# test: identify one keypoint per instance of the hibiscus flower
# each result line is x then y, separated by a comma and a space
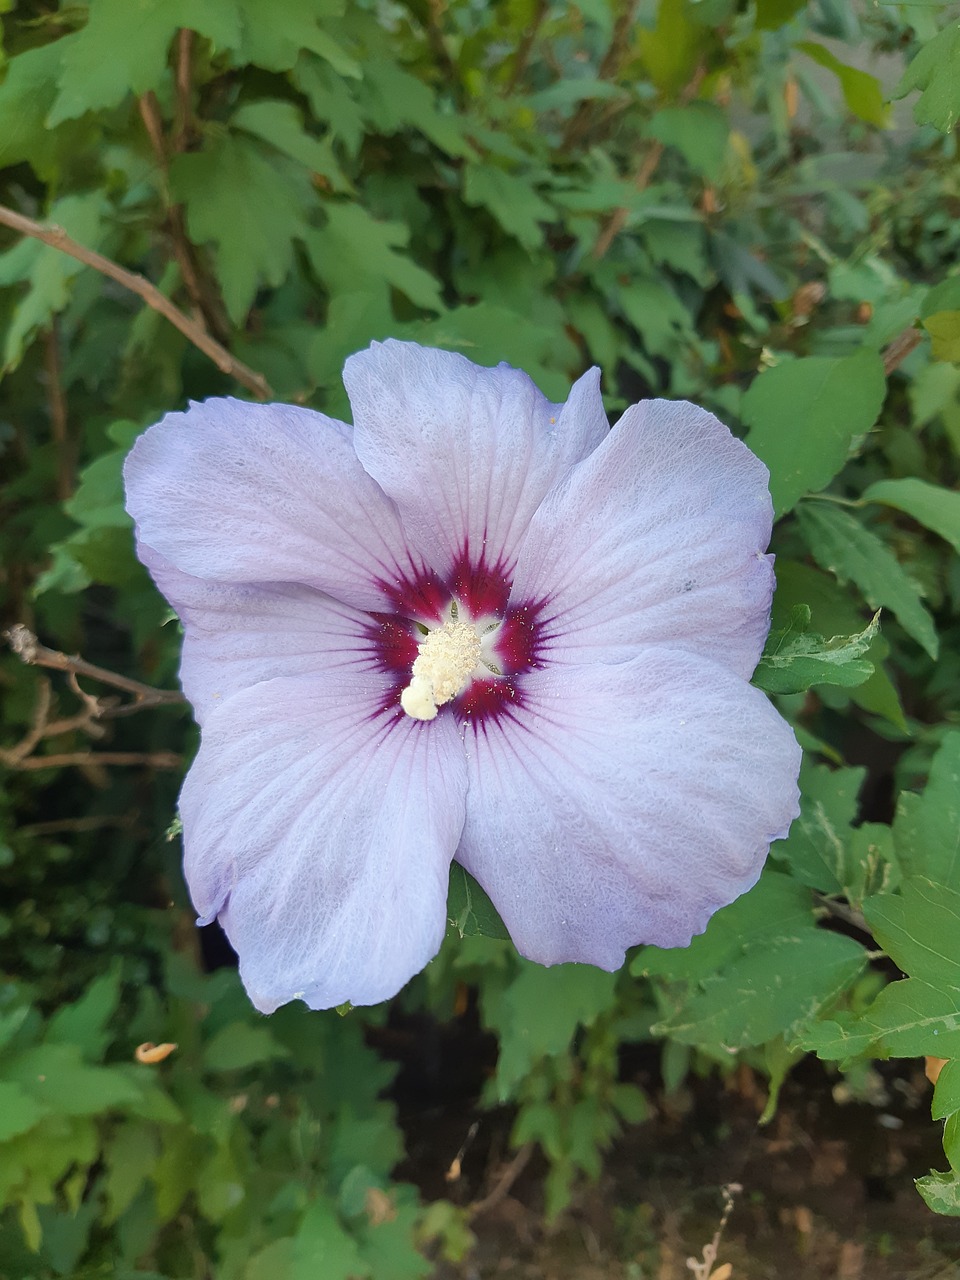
475, 625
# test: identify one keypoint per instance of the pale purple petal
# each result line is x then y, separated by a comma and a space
321, 830
625, 804
466, 453
657, 538
237, 634
265, 493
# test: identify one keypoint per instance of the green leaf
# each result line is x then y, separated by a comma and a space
355, 249
946, 1093
944, 330
84, 1023
931, 505
469, 910
699, 131
123, 49
934, 71
19, 1111
511, 199
281, 125
926, 829
804, 416
253, 235
240, 1045
841, 543
919, 929
817, 846
273, 35
908, 1019
56, 1077
772, 990
775, 907
941, 1192
861, 91
795, 658
26, 95
49, 272
394, 100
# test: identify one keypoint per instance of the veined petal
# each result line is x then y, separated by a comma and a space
320, 830
241, 492
625, 804
657, 538
466, 453
237, 634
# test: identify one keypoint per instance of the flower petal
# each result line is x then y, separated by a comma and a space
237, 634
265, 493
321, 830
657, 538
625, 804
467, 453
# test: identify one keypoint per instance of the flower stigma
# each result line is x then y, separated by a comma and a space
446, 660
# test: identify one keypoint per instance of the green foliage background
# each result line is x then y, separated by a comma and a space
711, 200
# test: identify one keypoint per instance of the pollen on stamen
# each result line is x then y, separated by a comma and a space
446, 659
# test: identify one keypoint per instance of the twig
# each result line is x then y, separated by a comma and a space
504, 1183
181, 129
608, 70
648, 167
438, 43
88, 759
843, 911
525, 48
207, 307
704, 1270
57, 238
57, 403
901, 346
29, 650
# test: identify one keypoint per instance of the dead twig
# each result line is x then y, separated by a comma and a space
901, 346
609, 69
57, 405
87, 759
29, 650
504, 1183
57, 238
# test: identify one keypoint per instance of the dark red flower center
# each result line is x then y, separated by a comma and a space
513, 634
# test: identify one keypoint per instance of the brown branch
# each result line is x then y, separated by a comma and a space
181, 127
525, 48
57, 238
90, 759
502, 1187
648, 167
902, 346
207, 305
609, 69
57, 405
29, 650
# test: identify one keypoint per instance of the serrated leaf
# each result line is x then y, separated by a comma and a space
56, 1077
926, 829
19, 1111
511, 199
239, 1045
469, 909
929, 504
281, 125
84, 1022
273, 35
919, 929
934, 71
253, 235
843, 545
796, 658
908, 1019
770, 991
123, 49
355, 248
804, 415
817, 846
393, 100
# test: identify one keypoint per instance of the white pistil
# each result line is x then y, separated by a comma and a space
446, 660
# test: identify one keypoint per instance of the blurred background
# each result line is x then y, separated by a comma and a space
753, 204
